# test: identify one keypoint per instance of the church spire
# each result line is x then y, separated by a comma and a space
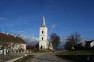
43, 22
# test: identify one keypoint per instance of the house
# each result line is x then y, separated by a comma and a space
92, 43
12, 42
87, 45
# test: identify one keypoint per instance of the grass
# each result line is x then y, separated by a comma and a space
78, 56
76, 53
43, 51
24, 59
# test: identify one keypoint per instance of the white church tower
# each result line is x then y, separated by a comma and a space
43, 42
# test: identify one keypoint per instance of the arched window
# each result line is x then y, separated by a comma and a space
42, 32
42, 38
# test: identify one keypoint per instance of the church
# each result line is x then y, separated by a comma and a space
43, 34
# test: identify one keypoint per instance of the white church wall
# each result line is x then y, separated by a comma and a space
44, 29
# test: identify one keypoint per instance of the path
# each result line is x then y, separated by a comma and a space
47, 57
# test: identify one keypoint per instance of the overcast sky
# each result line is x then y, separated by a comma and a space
63, 17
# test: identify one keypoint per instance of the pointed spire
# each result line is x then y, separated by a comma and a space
43, 22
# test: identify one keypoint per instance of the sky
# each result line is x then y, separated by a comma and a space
24, 17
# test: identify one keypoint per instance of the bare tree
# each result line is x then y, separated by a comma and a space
72, 40
55, 39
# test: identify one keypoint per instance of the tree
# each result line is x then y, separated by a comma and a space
72, 40
37, 46
55, 39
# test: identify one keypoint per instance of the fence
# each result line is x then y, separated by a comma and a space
12, 55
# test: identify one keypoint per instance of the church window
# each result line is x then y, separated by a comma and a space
42, 38
42, 32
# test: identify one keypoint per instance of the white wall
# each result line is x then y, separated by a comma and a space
92, 44
43, 42
23, 46
1, 52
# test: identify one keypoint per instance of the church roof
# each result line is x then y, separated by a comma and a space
43, 22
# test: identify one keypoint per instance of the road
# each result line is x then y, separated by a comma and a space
47, 57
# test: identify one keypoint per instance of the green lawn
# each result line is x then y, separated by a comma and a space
76, 53
43, 51
79, 56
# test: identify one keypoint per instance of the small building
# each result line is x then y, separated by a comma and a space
11, 43
92, 43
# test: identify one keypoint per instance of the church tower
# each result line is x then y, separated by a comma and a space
43, 42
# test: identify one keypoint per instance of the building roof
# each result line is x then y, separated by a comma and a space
4, 38
43, 22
